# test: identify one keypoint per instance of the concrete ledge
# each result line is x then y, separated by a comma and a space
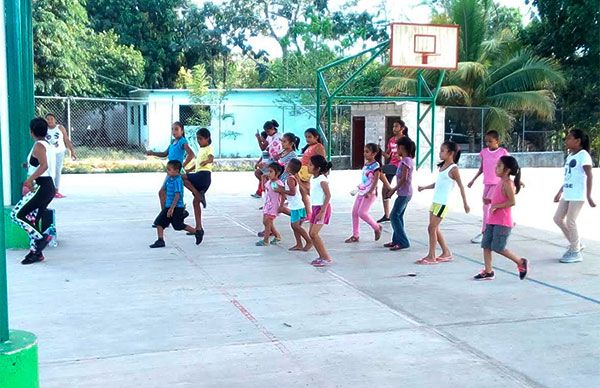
19, 361
525, 159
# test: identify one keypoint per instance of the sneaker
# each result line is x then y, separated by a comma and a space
383, 219
573, 257
255, 195
59, 195
320, 263
389, 245
477, 239
523, 269
43, 242
160, 243
484, 275
33, 257
199, 236
203, 199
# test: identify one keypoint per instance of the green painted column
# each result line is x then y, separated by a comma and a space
19, 67
19, 361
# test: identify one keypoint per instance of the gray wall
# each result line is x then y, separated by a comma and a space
525, 159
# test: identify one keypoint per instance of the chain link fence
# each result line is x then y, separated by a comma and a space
467, 127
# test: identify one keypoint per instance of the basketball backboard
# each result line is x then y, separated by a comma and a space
425, 46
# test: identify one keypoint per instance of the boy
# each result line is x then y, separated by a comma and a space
173, 212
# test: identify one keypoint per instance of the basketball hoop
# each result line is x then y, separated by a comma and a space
429, 46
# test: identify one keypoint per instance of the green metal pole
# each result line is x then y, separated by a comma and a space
329, 116
433, 106
418, 118
344, 60
3, 280
318, 88
19, 67
357, 71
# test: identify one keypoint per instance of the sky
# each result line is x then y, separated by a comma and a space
397, 10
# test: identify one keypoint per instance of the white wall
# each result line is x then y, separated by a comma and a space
4, 133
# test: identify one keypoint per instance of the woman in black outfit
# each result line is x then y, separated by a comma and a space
41, 165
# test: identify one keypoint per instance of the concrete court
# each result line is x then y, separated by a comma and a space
110, 312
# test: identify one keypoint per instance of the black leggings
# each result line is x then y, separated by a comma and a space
34, 203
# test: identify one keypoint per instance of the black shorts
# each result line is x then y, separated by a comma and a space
389, 170
177, 220
200, 180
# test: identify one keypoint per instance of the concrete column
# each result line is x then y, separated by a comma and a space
19, 361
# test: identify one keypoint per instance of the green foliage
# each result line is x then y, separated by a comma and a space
494, 73
70, 59
184, 78
567, 31
199, 82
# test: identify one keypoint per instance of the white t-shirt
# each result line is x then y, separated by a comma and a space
56, 138
317, 195
294, 201
574, 188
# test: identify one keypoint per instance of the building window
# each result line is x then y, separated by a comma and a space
145, 115
132, 113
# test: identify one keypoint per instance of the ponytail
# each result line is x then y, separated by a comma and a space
271, 124
321, 164
454, 148
512, 165
374, 148
316, 134
295, 140
583, 138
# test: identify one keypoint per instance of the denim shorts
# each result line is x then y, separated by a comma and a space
495, 237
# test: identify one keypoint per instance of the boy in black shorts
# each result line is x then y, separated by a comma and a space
173, 213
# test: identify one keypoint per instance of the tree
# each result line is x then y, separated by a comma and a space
567, 31
150, 26
494, 73
70, 59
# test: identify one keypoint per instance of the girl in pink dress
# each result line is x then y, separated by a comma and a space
273, 201
499, 221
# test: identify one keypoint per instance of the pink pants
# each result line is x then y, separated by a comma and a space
361, 210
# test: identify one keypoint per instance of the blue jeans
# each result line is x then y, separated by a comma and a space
397, 219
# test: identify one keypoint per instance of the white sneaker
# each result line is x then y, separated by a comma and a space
477, 239
573, 257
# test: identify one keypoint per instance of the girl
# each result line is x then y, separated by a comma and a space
59, 138
321, 210
499, 221
289, 146
199, 181
367, 193
41, 167
296, 206
448, 174
406, 152
271, 150
576, 188
314, 146
391, 168
262, 143
489, 159
273, 200
176, 151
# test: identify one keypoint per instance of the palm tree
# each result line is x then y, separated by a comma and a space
496, 74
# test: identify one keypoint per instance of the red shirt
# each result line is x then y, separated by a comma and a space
315, 149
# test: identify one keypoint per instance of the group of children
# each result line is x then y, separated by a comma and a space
299, 189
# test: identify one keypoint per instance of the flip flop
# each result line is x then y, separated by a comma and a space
426, 261
444, 259
351, 239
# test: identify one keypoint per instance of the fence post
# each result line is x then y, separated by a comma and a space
481, 136
523, 125
69, 117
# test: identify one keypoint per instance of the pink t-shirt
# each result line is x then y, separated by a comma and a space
274, 145
489, 159
501, 216
393, 151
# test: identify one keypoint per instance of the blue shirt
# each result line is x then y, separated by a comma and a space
174, 184
177, 149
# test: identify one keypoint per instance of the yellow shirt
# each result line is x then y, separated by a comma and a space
203, 155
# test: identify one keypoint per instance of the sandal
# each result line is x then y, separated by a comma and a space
443, 259
397, 248
426, 261
351, 239
378, 233
262, 243
275, 241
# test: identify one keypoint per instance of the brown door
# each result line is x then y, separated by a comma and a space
358, 141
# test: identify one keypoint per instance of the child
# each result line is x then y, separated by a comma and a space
391, 168
173, 208
176, 151
262, 143
296, 206
270, 152
273, 200
489, 159
448, 174
199, 181
313, 146
321, 210
289, 146
406, 151
576, 188
367, 193
499, 221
